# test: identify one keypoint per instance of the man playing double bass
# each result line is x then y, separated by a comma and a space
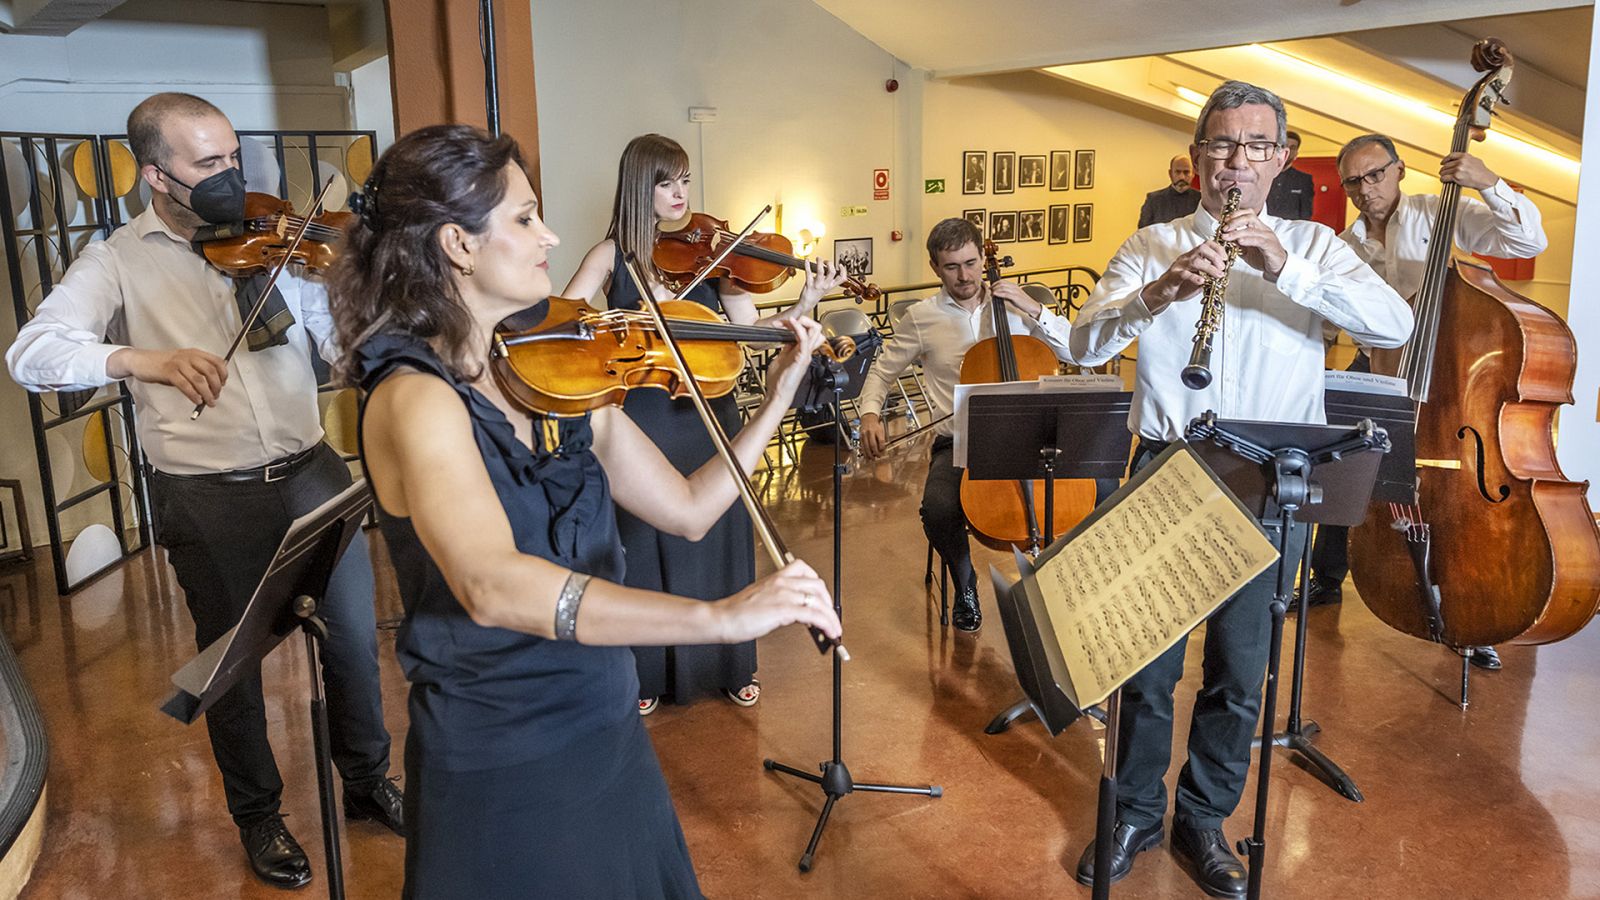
1290, 279
937, 332
1392, 235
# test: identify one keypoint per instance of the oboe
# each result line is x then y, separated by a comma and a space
1197, 374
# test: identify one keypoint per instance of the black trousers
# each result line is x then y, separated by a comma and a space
1226, 709
219, 538
942, 518
1330, 552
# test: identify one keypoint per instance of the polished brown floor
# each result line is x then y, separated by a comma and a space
1499, 801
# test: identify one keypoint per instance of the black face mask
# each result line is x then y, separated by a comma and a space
218, 199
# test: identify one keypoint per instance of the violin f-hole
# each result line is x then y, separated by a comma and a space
1483, 488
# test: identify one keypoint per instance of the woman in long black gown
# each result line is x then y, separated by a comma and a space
528, 771
652, 193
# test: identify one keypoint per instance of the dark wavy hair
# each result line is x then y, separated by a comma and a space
392, 275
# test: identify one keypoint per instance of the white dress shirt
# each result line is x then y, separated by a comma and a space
1506, 224
1267, 358
145, 287
937, 332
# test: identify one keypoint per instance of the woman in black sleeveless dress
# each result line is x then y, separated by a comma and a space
528, 772
652, 192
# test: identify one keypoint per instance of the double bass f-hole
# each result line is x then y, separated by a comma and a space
1504, 490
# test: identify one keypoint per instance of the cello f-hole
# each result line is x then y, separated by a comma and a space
1504, 490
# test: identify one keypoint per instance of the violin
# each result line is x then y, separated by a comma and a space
577, 359
262, 239
1002, 513
760, 263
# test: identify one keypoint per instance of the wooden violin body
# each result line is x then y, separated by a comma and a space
1002, 513
571, 367
575, 358
760, 264
262, 239
1515, 551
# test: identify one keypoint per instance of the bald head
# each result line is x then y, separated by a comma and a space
1179, 171
147, 124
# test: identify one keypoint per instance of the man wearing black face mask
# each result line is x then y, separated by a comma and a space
144, 306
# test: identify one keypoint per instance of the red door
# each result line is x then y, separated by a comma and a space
1328, 206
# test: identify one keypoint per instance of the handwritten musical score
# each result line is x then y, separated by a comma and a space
1150, 569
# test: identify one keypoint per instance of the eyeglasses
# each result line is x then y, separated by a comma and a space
1373, 177
1255, 151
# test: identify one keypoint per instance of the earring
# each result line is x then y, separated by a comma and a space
468, 270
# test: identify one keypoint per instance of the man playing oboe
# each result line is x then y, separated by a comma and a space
1266, 365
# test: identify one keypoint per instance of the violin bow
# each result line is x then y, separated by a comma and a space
774, 545
272, 281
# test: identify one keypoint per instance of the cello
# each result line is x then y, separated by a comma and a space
1001, 514
1498, 546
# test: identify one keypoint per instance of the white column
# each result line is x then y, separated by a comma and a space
1578, 442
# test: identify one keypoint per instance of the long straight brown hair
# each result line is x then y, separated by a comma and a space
648, 160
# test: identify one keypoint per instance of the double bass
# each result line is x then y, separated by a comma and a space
1002, 514
1499, 546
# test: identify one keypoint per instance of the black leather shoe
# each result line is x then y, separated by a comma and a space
382, 803
1485, 658
1129, 841
1217, 871
274, 854
1322, 594
965, 615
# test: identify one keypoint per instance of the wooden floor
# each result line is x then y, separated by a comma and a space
1499, 801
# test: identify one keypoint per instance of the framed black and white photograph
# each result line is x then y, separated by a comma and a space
974, 171
1060, 220
1030, 171
977, 217
1083, 171
1082, 223
1030, 225
1005, 172
1003, 227
1060, 170
855, 255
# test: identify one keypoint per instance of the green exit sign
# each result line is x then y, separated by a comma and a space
933, 186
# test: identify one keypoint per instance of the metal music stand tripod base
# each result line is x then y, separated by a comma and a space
1269, 467
1298, 734
285, 599
835, 779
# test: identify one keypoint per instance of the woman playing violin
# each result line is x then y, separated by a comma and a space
526, 762
653, 192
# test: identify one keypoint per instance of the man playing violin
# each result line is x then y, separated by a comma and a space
1392, 234
937, 333
143, 306
1291, 277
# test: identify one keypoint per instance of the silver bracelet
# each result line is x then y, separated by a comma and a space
567, 606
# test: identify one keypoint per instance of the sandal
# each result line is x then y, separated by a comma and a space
646, 707
745, 696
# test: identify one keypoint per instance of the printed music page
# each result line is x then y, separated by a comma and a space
1154, 566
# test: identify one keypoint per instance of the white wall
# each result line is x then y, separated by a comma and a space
1578, 441
268, 66
804, 118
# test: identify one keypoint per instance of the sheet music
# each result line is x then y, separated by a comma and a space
1135, 582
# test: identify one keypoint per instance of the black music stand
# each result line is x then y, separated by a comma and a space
1269, 466
1031, 434
1042, 671
285, 599
832, 383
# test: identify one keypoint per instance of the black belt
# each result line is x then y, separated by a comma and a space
277, 470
